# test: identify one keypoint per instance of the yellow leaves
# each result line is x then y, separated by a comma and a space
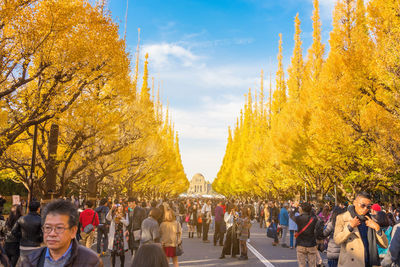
296, 68
279, 97
70, 67
341, 123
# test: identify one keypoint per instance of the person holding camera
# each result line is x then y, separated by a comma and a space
231, 246
117, 242
358, 235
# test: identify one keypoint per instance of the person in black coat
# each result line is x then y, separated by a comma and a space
11, 245
2, 202
136, 216
28, 229
274, 219
103, 227
231, 245
3, 258
307, 225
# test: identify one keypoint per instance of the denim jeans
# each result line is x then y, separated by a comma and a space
291, 233
333, 263
276, 240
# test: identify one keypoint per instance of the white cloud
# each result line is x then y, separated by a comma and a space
208, 121
204, 100
218, 42
165, 54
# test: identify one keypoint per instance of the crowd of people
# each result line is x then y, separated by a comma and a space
360, 234
62, 233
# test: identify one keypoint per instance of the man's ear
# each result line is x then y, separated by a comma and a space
74, 230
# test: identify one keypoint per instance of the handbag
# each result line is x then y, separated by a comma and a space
90, 227
305, 228
271, 230
187, 219
179, 247
137, 234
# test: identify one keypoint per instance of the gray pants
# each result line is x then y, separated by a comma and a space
284, 234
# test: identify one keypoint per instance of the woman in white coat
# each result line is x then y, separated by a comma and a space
117, 242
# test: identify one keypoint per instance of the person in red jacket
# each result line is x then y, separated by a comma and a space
88, 216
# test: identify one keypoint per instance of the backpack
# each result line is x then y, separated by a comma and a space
102, 217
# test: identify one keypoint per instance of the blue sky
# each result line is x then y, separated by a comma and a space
207, 54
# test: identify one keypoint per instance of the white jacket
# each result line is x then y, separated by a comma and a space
292, 224
125, 223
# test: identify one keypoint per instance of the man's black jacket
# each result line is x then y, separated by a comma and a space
80, 257
309, 236
29, 230
136, 218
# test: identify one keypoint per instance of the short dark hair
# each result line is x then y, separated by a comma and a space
132, 199
149, 255
363, 195
62, 207
306, 207
89, 203
34, 206
103, 201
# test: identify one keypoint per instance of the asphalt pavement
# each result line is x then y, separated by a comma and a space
261, 253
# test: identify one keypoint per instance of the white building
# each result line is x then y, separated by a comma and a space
199, 185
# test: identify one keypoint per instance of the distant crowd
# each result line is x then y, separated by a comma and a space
63, 232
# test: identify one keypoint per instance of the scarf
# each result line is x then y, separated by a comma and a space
372, 245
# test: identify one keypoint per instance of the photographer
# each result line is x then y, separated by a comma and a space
231, 246
117, 242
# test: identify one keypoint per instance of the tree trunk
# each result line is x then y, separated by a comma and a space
92, 185
51, 168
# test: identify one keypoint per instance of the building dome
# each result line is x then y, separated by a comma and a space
199, 185
198, 178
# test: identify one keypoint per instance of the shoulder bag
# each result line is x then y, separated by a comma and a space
305, 228
179, 248
90, 227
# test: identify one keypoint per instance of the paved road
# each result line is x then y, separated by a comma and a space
197, 253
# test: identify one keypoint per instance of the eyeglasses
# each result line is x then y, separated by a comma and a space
57, 229
362, 205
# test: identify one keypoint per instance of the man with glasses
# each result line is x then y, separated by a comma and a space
60, 224
358, 235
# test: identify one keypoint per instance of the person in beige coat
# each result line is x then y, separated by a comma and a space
171, 235
266, 215
358, 235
